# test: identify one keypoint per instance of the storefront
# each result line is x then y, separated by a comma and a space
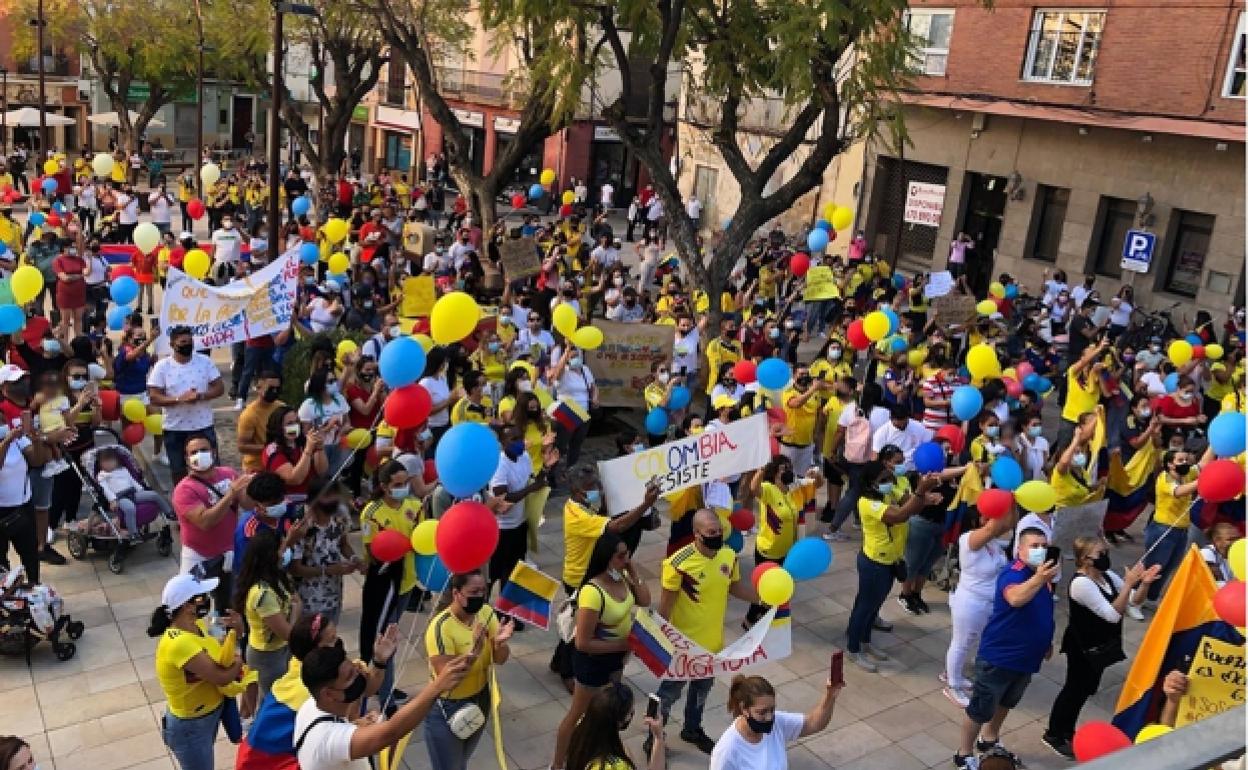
474, 126
529, 170
610, 160
398, 128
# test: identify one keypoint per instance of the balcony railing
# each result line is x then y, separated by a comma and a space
55, 65
477, 86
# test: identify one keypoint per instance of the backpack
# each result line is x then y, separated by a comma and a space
565, 621
858, 439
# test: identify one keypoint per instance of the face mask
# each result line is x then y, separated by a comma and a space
473, 604
992, 431
77, 383
401, 493
712, 543
202, 607
1184, 396
355, 690
575, 362
1145, 413
1035, 556
1034, 431
524, 386
787, 476
51, 346
614, 574
293, 430
1101, 562
201, 460
1155, 348
634, 448
885, 487
758, 726
276, 511
515, 449
309, 280
331, 388
270, 394
185, 349
774, 334
663, 378
593, 497
425, 435
1128, 359
493, 347
618, 281
505, 320
1182, 468
834, 354
1079, 460
287, 555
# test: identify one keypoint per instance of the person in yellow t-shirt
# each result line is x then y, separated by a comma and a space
267, 598
1083, 391
781, 497
830, 364
696, 582
467, 627
844, 393
1070, 479
403, 192
801, 411
1166, 535
475, 406
188, 667
723, 349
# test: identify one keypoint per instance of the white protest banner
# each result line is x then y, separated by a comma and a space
924, 204
688, 462
938, 284
1077, 521
768, 640
253, 306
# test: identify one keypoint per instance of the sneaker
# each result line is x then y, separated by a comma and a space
957, 697
874, 651
836, 537
943, 678
1135, 613
162, 458
49, 555
704, 742
998, 748
239, 404
908, 604
1059, 746
879, 624
918, 602
861, 660
968, 762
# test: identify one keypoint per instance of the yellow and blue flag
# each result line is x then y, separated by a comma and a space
1129, 487
527, 595
648, 642
970, 486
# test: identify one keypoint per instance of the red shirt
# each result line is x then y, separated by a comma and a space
34, 330
176, 255
12, 413
345, 192
1170, 407
272, 458
356, 418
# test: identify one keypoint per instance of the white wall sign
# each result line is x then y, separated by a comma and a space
924, 203
506, 125
397, 117
470, 118
605, 134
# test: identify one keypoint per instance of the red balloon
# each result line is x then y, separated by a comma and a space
389, 545
431, 472
857, 337
133, 433
742, 519
1012, 387
1096, 739
54, 220
758, 571
1220, 481
408, 406
517, 201
110, 405
1198, 351
954, 435
1023, 369
467, 536
565, 210
995, 503
120, 270
195, 207
745, 371
10, 197
799, 264
1228, 602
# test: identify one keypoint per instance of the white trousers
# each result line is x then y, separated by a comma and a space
970, 614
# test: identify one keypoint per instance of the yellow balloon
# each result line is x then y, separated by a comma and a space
346, 348
424, 536
1237, 557
146, 237
775, 587
1036, 496
982, 362
26, 283
51, 167
336, 230
339, 263
587, 338
1149, 732
154, 423
996, 289
102, 164
842, 218
359, 438
569, 197
876, 325
134, 410
829, 211
209, 173
548, 176
565, 320
916, 358
1214, 352
1180, 352
196, 263
454, 317
986, 307
425, 341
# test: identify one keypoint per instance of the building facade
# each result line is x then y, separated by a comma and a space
1086, 136
65, 92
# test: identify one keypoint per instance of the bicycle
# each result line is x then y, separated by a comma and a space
1158, 323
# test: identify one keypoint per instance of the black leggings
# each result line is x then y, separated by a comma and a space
512, 546
66, 494
1082, 681
17, 526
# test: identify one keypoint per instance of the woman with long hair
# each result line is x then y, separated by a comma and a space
595, 742
539, 441
981, 558
759, 733
604, 615
781, 497
265, 595
515, 383
441, 393
293, 455
326, 410
15, 754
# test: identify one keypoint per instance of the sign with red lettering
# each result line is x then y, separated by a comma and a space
924, 204
768, 640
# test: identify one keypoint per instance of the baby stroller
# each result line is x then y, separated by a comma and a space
99, 530
31, 614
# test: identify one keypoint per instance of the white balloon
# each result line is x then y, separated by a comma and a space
146, 237
102, 164
209, 173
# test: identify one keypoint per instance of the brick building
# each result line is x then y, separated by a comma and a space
1046, 133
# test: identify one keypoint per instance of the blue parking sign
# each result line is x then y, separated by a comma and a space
1137, 250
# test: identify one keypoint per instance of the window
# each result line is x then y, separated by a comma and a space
705, 180
396, 82
1187, 255
1063, 46
930, 32
1050, 217
1117, 216
1237, 70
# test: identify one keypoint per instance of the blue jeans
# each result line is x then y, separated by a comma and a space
875, 580
669, 693
191, 740
253, 360
447, 752
817, 320
1171, 545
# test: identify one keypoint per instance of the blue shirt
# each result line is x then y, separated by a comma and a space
248, 525
1016, 638
130, 377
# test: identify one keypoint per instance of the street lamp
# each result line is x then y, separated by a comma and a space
4, 108
275, 126
39, 24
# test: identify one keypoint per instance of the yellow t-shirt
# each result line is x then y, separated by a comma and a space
979, 450
264, 602
1070, 489
1217, 390
447, 635
377, 516
615, 617
1171, 510
1233, 402
506, 405
779, 513
466, 411
883, 543
820, 284
610, 763
1080, 399
718, 353
829, 371
832, 415
799, 420
702, 303
654, 394
187, 695
186, 190
701, 587
581, 529
492, 365
252, 426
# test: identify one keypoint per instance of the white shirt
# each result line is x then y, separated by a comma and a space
1079, 294
515, 477
320, 317
327, 746
685, 352
693, 208
116, 482
14, 483
575, 384
435, 262
906, 440
608, 195
175, 379
1052, 288
1037, 452
605, 255
97, 269
1120, 314
1084, 590
655, 210
1153, 381
320, 414
733, 752
979, 568
526, 340
88, 198
459, 253
129, 209
439, 391
160, 207
227, 245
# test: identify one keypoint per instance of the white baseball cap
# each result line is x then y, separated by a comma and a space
11, 373
182, 588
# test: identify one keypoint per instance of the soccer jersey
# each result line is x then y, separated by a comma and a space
779, 513
701, 585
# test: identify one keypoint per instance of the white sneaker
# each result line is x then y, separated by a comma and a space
862, 661
51, 536
239, 404
957, 696
944, 678
1134, 612
874, 652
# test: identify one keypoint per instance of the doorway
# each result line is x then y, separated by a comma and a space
242, 137
985, 208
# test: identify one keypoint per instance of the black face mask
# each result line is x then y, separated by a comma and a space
473, 604
787, 476
758, 726
1101, 562
712, 543
1182, 468
803, 382
355, 690
271, 394
185, 349
202, 607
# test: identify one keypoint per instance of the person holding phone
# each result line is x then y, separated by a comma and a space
759, 733
596, 743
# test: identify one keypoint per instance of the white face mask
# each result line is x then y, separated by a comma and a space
201, 460
1035, 556
663, 377
524, 386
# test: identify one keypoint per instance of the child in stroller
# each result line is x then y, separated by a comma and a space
123, 492
112, 493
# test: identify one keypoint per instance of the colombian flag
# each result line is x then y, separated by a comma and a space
1184, 616
270, 743
969, 488
647, 642
1128, 488
567, 413
527, 595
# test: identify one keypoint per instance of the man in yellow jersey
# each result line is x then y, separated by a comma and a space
724, 348
1166, 536
801, 412
696, 581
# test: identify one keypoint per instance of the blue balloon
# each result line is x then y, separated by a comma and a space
1011, 291
929, 457
37, 218
124, 290
117, 315
966, 402
49, 186
536, 192
899, 281
1045, 385
823, 225
1226, 434
817, 240
1194, 339
466, 458
773, 374
12, 319
1006, 473
432, 573
656, 421
898, 345
1172, 382
4, 247
309, 253
1032, 382
680, 398
301, 206
894, 322
402, 362
809, 558
59, 207
735, 541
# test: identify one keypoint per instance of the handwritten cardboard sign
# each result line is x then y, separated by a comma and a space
954, 308
519, 258
252, 306
1215, 682
418, 297
621, 365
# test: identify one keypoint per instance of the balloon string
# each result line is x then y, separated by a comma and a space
412, 639
1186, 515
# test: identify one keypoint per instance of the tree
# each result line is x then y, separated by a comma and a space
554, 53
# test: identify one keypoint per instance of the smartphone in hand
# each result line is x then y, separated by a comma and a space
837, 676
1053, 554
652, 707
